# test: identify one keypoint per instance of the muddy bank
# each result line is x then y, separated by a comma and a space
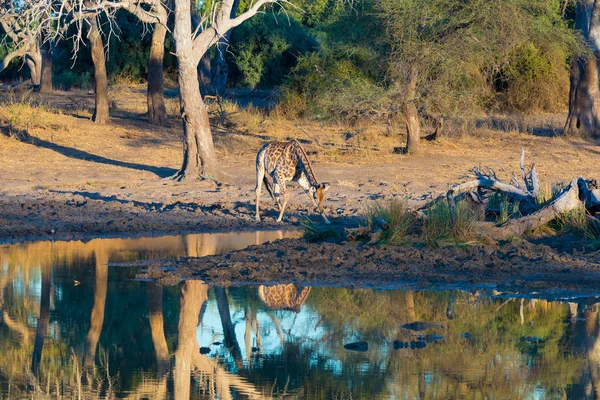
516, 265
84, 213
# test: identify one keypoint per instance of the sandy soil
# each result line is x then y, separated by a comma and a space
74, 178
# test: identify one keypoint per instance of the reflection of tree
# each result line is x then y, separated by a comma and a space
193, 295
586, 342
97, 317
228, 329
155, 296
43, 320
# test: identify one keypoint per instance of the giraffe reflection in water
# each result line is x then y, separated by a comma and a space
72, 325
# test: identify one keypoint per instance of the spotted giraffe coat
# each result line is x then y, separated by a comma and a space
285, 162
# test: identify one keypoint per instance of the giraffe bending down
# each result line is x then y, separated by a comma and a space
285, 162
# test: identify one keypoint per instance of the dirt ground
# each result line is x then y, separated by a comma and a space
73, 178
518, 267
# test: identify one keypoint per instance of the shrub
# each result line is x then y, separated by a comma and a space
68, 79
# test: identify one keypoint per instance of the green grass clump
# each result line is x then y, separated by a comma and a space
439, 225
576, 222
505, 206
397, 216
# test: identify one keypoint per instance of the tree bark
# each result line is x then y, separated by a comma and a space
46, 75
157, 113
204, 76
584, 95
101, 114
199, 159
34, 62
411, 115
42, 324
220, 69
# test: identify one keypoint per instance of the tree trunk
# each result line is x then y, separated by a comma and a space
199, 158
413, 127
42, 323
46, 76
411, 115
101, 115
584, 95
220, 69
34, 62
204, 76
157, 113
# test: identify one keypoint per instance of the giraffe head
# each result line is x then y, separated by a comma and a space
319, 194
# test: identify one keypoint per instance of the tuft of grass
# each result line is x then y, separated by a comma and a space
505, 207
397, 216
439, 225
576, 222
314, 232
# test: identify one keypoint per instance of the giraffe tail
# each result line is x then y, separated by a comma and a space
269, 187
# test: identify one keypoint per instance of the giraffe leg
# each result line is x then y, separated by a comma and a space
277, 194
304, 184
260, 174
285, 200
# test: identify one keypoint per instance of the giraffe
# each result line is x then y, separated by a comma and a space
285, 162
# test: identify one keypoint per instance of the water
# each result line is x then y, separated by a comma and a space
71, 325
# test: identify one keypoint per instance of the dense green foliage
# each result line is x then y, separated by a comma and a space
338, 60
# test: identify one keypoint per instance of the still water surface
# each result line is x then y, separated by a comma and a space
72, 326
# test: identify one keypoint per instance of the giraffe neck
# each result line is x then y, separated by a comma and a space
305, 162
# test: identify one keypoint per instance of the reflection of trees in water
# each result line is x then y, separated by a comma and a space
139, 327
91, 315
586, 343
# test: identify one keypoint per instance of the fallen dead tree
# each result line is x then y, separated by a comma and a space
578, 193
533, 210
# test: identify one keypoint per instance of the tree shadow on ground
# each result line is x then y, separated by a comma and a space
161, 172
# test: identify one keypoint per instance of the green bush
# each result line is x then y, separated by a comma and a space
68, 79
264, 50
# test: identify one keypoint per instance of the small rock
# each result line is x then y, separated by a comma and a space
421, 326
255, 349
430, 337
532, 339
466, 335
398, 344
357, 346
204, 350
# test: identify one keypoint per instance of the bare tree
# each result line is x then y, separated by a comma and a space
89, 13
22, 23
584, 95
199, 158
220, 69
157, 112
